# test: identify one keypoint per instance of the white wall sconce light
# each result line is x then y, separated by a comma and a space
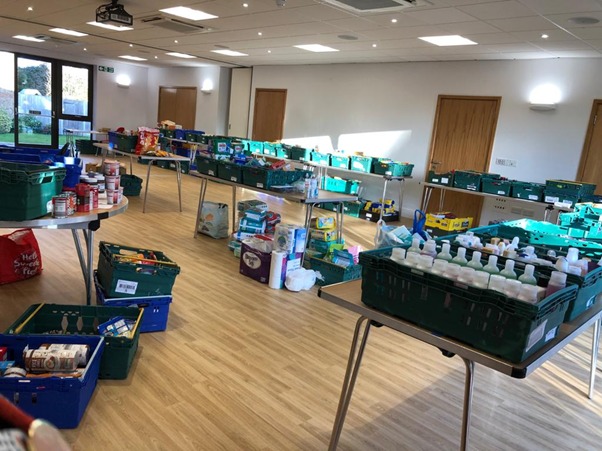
207, 86
544, 97
123, 81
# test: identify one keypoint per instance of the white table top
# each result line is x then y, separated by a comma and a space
105, 147
75, 221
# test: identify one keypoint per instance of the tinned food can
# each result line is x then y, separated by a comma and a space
60, 206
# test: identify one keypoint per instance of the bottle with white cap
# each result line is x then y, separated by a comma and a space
508, 271
491, 266
460, 258
415, 247
430, 248
475, 261
528, 293
398, 254
572, 255
528, 277
557, 282
444, 254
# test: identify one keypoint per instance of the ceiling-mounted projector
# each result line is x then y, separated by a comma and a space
112, 13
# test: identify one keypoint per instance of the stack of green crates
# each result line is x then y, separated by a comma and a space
123, 274
119, 352
499, 187
567, 192
339, 185
131, 184
443, 178
527, 190
393, 168
471, 180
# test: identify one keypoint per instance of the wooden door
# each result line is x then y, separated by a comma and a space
268, 116
178, 105
590, 167
462, 138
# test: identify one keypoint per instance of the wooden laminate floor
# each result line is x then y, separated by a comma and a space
244, 367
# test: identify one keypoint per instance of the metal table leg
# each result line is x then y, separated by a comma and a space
468, 384
200, 208
382, 200
353, 366
594, 361
86, 262
179, 180
131, 167
234, 209
148, 171
428, 191
340, 214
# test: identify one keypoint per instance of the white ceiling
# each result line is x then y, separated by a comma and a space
503, 29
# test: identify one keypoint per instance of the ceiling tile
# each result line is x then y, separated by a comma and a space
522, 24
497, 10
562, 6
441, 16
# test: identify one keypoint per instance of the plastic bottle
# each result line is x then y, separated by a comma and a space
415, 247
528, 293
452, 271
508, 271
439, 267
475, 261
491, 266
425, 262
460, 258
528, 277
444, 254
497, 282
307, 186
562, 264
466, 275
572, 255
557, 282
398, 254
481, 279
512, 288
430, 248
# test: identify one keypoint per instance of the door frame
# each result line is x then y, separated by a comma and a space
588, 138
440, 98
257, 90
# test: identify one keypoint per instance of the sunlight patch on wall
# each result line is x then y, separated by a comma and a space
375, 144
323, 143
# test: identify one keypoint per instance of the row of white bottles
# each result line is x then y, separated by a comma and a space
506, 281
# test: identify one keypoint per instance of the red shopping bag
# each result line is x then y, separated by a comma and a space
20, 256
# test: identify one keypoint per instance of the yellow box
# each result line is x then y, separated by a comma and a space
439, 221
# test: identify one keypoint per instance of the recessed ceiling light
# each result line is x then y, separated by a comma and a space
394, 20
133, 58
30, 8
131, 45
583, 20
245, 5
544, 36
229, 52
259, 33
27, 38
373, 45
347, 37
156, 57
109, 26
444, 41
175, 41
180, 55
85, 49
69, 32
188, 13
269, 51
316, 48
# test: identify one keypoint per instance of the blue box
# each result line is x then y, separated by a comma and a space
156, 308
61, 401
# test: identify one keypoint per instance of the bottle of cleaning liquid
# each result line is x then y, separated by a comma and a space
557, 282
444, 254
398, 254
491, 266
460, 258
475, 261
430, 248
508, 271
415, 247
528, 277
572, 255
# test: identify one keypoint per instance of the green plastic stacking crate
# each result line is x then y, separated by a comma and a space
171, 165
263, 178
332, 273
443, 178
140, 277
527, 190
127, 143
85, 146
339, 185
362, 164
119, 352
231, 172
206, 165
131, 184
484, 319
27, 189
499, 187
471, 180
300, 154
320, 158
271, 149
571, 188
393, 168
339, 161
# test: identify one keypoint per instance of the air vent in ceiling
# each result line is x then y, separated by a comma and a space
374, 6
179, 26
53, 40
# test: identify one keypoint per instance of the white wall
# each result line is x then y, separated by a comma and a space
337, 99
210, 114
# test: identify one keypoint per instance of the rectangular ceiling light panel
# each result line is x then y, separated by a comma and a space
188, 13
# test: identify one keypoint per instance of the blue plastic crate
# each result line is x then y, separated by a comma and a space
156, 308
61, 401
73, 167
24, 157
